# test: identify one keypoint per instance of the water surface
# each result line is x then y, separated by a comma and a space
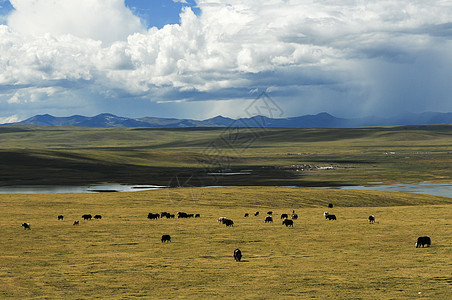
437, 189
54, 189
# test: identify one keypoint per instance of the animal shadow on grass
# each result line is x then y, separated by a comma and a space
241, 261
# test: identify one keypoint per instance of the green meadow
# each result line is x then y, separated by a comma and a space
121, 255
270, 156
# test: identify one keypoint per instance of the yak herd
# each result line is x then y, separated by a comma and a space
421, 241
268, 219
61, 218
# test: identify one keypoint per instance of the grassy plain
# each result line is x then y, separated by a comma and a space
121, 256
74, 155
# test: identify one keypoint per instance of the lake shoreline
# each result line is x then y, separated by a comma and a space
430, 188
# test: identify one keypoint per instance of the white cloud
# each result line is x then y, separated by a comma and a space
327, 55
30, 95
9, 119
44, 60
107, 20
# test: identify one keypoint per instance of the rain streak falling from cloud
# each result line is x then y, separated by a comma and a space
349, 58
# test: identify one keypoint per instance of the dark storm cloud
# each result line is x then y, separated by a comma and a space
344, 57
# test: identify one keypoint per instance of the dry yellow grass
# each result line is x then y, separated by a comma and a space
121, 256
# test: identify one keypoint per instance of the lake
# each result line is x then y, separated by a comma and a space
437, 189
52, 189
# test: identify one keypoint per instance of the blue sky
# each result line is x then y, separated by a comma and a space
156, 13
159, 13
202, 58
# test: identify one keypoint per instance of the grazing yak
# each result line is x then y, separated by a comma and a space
197, 215
60, 217
97, 217
26, 225
228, 222
268, 219
153, 216
167, 215
331, 217
284, 216
237, 255
166, 238
269, 212
330, 205
372, 219
182, 215
256, 213
76, 223
423, 240
87, 217
287, 222
247, 215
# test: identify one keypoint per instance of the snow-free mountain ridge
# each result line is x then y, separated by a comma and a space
321, 120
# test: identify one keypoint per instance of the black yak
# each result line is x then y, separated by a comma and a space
87, 217
287, 222
228, 222
423, 240
237, 255
268, 219
153, 216
166, 238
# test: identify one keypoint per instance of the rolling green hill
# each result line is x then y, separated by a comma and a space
121, 255
74, 155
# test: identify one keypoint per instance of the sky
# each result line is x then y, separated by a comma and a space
202, 58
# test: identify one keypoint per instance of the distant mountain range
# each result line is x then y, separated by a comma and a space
321, 120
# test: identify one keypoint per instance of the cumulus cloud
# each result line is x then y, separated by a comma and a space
107, 20
9, 119
337, 56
